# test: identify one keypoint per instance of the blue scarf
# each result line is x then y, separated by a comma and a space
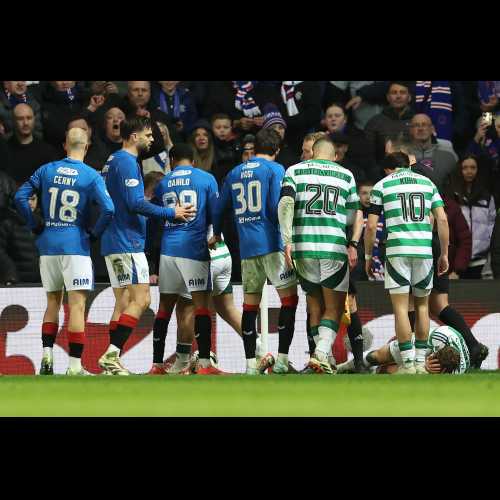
177, 104
14, 99
434, 99
244, 102
488, 89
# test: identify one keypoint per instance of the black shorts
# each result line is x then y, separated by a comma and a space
352, 287
441, 284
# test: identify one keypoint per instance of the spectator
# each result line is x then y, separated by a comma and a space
428, 153
15, 93
495, 248
486, 142
18, 252
301, 109
227, 148
159, 163
274, 120
202, 142
366, 98
248, 147
459, 252
468, 188
308, 143
359, 152
4, 154
97, 154
26, 153
138, 102
60, 102
489, 92
341, 143
394, 119
112, 139
3, 130
177, 103
7, 190
103, 96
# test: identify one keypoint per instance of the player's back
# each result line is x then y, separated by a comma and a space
447, 336
187, 185
127, 231
407, 199
254, 188
66, 189
324, 191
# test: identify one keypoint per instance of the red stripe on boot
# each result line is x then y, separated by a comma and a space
291, 301
250, 308
76, 337
127, 320
163, 315
202, 311
50, 328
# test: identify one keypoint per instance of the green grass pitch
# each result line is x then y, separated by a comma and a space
475, 394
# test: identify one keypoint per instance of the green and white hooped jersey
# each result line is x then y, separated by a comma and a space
220, 251
324, 191
448, 336
407, 199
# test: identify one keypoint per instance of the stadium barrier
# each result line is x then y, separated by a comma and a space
22, 309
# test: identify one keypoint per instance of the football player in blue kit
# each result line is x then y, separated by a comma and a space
66, 189
185, 258
252, 189
122, 244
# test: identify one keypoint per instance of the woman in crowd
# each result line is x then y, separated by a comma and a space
468, 187
203, 145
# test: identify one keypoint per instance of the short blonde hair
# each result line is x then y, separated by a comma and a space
314, 136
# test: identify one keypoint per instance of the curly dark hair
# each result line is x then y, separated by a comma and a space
449, 359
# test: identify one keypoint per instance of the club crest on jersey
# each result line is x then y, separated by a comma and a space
119, 270
67, 171
131, 183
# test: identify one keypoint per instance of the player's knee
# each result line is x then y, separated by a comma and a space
143, 301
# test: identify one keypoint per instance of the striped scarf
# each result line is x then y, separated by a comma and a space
245, 102
14, 99
288, 95
434, 99
177, 104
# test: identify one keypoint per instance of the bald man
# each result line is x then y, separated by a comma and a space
66, 188
27, 153
428, 153
316, 196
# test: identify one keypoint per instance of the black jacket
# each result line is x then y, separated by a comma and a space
227, 156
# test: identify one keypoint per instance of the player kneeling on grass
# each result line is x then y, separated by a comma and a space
446, 352
66, 189
185, 259
315, 198
252, 189
407, 200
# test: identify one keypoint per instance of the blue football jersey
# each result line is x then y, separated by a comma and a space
65, 191
127, 231
188, 185
252, 189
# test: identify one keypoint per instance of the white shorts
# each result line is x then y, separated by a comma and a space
127, 269
395, 352
221, 269
181, 276
73, 272
403, 272
255, 272
315, 273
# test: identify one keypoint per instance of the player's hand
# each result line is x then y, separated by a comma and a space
369, 268
354, 103
183, 214
352, 255
153, 279
443, 265
213, 241
432, 364
96, 101
288, 256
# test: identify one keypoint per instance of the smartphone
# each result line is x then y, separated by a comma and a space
487, 118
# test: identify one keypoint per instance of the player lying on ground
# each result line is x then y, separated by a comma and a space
446, 352
122, 243
66, 190
315, 198
252, 189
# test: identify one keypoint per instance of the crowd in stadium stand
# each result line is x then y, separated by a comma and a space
451, 128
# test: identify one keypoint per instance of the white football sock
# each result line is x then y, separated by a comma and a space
48, 352
252, 363
283, 358
75, 364
113, 348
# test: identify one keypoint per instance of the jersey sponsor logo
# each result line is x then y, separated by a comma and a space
67, 171
197, 282
178, 173
81, 281
131, 183
251, 164
244, 220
